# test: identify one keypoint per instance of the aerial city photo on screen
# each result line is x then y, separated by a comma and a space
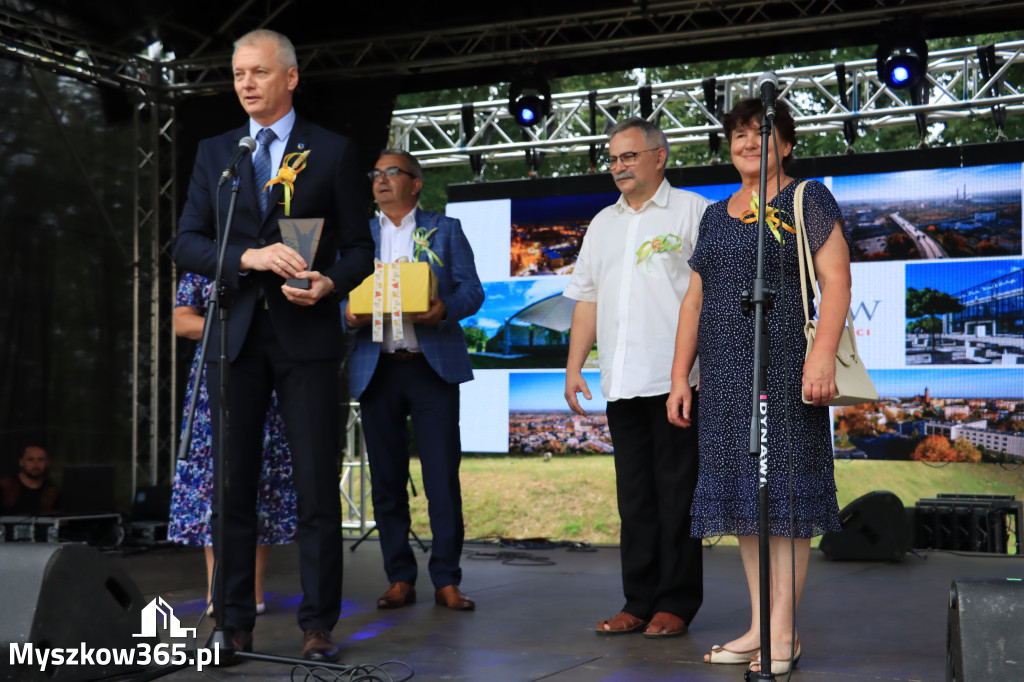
936, 213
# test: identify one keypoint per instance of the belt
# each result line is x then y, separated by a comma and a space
402, 355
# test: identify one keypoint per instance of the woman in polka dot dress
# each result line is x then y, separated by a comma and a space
712, 325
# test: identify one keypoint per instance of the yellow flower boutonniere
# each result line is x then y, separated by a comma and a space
291, 165
771, 218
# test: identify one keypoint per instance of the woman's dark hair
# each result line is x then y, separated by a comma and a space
749, 111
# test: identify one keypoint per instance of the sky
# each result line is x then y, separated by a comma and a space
979, 382
935, 183
954, 276
539, 391
504, 299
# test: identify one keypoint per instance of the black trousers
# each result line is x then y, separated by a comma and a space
308, 395
655, 477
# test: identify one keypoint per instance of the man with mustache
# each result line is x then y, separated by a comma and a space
629, 279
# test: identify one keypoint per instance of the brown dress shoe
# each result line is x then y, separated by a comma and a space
398, 595
241, 639
453, 598
228, 642
317, 646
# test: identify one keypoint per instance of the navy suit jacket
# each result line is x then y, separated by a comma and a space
328, 187
457, 285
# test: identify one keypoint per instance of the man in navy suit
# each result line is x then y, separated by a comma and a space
417, 376
280, 337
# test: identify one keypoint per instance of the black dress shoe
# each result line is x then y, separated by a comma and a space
317, 646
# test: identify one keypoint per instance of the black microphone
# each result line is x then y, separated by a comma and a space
768, 85
246, 145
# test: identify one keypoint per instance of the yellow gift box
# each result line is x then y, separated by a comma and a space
418, 282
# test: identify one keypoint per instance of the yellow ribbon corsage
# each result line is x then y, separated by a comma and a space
291, 165
659, 244
421, 239
771, 218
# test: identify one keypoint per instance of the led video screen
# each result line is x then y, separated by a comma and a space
938, 302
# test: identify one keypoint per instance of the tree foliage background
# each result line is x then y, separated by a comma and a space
65, 326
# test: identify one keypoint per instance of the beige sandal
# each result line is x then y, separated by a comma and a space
780, 666
719, 654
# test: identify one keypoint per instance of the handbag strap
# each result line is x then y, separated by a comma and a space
806, 260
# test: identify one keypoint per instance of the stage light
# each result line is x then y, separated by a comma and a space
902, 64
529, 100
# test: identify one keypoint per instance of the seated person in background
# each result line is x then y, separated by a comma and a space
30, 492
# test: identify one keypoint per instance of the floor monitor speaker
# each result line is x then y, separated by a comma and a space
874, 528
985, 638
63, 597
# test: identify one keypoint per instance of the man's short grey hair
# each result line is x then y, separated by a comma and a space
653, 136
414, 165
285, 50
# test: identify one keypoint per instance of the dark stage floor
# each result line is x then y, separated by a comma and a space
859, 621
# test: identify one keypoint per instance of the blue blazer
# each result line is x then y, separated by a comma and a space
328, 187
457, 285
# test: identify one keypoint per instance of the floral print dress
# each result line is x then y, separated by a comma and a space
193, 479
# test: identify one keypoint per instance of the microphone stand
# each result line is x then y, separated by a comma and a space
220, 638
759, 302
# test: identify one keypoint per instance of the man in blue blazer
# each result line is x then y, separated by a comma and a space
279, 337
418, 376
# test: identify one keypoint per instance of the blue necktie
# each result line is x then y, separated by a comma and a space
261, 166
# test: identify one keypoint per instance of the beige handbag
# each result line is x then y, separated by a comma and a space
853, 385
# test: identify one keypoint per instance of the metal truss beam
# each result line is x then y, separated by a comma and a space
639, 28
157, 403
956, 88
24, 38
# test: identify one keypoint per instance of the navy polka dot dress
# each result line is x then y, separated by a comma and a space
725, 502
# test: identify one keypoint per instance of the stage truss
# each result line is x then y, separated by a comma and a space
826, 98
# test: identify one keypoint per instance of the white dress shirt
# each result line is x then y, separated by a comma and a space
396, 242
638, 302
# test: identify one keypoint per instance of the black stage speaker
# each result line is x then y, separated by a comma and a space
985, 633
65, 597
875, 528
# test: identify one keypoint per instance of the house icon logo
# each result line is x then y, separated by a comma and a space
158, 615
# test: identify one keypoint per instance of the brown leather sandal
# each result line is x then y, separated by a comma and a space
622, 624
665, 625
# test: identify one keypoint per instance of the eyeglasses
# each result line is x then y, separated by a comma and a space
628, 158
390, 171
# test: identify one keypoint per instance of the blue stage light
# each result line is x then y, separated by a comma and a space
529, 100
902, 64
